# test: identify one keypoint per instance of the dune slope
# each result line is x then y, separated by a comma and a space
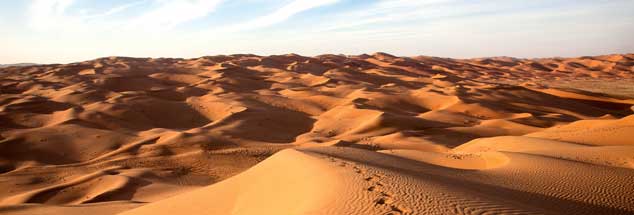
341, 180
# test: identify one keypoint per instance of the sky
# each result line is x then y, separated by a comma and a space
64, 31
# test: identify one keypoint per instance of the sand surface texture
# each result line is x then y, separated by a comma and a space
330, 134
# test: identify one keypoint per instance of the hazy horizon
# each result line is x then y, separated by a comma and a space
63, 31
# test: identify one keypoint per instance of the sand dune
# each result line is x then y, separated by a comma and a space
363, 182
330, 134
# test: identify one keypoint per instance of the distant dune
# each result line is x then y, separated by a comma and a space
330, 134
17, 65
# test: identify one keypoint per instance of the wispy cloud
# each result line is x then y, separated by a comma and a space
386, 11
280, 15
172, 13
46, 13
115, 10
55, 14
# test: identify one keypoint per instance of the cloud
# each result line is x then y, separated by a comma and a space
115, 10
169, 14
280, 15
56, 15
47, 13
385, 11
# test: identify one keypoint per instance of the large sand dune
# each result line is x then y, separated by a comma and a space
331, 134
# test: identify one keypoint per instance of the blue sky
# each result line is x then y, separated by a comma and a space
62, 31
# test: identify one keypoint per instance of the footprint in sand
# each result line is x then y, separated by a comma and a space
384, 198
374, 177
358, 170
343, 164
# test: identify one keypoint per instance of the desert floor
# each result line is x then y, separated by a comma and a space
330, 134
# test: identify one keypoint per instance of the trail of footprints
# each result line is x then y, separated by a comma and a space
384, 198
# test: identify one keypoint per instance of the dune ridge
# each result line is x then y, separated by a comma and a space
431, 135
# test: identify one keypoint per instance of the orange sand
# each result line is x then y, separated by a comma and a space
331, 134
